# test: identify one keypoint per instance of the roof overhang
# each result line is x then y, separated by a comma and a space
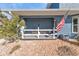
45, 12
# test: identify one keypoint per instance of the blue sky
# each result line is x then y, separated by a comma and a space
23, 5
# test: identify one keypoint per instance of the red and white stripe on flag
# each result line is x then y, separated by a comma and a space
61, 24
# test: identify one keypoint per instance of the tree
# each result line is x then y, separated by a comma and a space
10, 28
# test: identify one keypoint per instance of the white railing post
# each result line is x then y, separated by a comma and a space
54, 34
38, 32
22, 32
54, 29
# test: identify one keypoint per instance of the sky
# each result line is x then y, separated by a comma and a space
23, 5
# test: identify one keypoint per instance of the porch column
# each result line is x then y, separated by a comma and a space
54, 29
22, 32
38, 32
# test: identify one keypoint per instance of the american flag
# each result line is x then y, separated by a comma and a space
61, 24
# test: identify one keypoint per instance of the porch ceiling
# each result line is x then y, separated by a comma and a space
45, 12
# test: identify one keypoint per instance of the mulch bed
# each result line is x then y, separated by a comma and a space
40, 48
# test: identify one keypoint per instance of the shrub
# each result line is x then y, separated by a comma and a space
66, 51
10, 28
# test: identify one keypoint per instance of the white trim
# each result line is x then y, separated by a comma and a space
39, 29
60, 9
45, 12
72, 23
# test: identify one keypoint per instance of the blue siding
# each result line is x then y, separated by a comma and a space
69, 5
63, 5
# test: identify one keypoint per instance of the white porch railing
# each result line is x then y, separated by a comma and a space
38, 33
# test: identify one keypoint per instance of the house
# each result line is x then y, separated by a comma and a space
40, 22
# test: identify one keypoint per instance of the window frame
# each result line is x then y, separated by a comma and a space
75, 17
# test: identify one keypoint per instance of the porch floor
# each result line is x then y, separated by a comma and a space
40, 37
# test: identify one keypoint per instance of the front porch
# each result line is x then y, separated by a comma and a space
38, 33
38, 27
44, 18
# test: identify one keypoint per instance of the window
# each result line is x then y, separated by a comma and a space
75, 25
53, 5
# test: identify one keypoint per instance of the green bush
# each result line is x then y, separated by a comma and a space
9, 28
